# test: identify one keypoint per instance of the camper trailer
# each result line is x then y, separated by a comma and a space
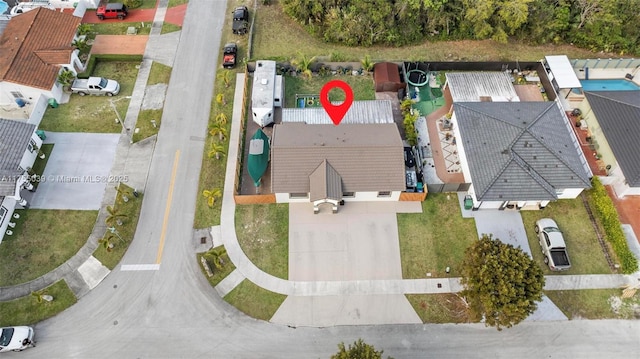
267, 93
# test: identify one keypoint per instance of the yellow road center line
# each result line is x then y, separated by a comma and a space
167, 210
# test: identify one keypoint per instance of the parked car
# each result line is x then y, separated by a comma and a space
229, 53
112, 11
240, 24
409, 158
95, 86
16, 339
25, 6
553, 245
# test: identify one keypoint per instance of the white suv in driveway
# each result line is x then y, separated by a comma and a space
16, 339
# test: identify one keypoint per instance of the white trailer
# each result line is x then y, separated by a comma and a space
267, 92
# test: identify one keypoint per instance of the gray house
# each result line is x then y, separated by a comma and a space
19, 146
518, 154
613, 119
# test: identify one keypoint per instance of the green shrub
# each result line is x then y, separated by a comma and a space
608, 215
132, 4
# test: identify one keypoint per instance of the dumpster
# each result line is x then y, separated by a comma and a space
468, 202
40, 133
53, 103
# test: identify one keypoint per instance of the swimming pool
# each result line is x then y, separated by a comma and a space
3, 7
608, 85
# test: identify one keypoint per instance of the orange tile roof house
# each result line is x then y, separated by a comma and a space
35, 47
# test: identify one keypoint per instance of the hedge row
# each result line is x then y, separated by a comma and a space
93, 60
608, 215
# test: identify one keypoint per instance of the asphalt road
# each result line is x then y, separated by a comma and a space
174, 313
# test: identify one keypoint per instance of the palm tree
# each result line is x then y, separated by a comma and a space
114, 216
216, 150
125, 192
219, 130
222, 118
220, 99
66, 78
367, 64
211, 195
80, 44
215, 256
303, 64
84, 28
224, 76
107, 242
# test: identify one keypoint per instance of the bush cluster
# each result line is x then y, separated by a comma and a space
608, 215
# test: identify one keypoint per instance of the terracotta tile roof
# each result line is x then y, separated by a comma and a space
366, 157
33, 46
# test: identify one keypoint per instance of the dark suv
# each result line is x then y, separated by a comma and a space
240, 20
112, 11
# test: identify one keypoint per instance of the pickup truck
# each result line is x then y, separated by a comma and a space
552, 243
95, 86
240, 25
229, 54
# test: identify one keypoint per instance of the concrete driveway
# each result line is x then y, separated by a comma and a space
360, 242
77, 171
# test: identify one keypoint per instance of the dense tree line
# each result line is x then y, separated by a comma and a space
598, 25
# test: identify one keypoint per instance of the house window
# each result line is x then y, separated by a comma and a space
17, 94
298, 195
3, 212
32, 146
348, 194
384, 194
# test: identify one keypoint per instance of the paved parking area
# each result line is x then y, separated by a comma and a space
77, 171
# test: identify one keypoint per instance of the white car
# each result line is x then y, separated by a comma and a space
16, 339
23, 7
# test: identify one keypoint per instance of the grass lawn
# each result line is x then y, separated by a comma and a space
173, 3
145, 126
263, 234
159, 74
362, 86
254, 301
279, 37
596, 304
27, 310
41, 241
168, 27
218, 274
120, 28
584, 251
131, 210
439, 308
434, 239
94, 113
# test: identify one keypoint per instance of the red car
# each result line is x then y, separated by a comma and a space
112, 11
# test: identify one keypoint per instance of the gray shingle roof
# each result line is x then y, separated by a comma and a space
520, 150
14, 138
618, 113
367, 157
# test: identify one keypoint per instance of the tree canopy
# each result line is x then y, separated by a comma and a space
502, 284
597, 25
359, 350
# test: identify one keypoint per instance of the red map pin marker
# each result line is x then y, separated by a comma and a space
336, 112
